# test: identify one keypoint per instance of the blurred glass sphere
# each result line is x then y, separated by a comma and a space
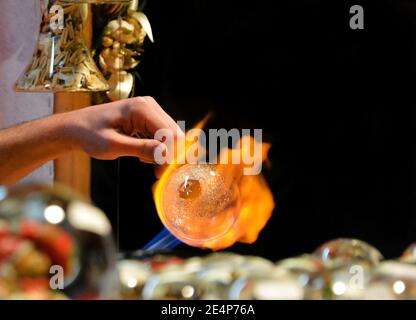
347, 282
199, 203
209, 277
392, 280
54, 242
173, 283
133, 275
220, 270
348, 266
409, 255
309, 271
275, 285
348, 251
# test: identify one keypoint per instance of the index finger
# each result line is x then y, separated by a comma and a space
148, 117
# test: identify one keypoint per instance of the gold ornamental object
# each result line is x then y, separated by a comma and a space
121, 47
62, 61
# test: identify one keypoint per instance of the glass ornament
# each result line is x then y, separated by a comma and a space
348, 264
173, 283
309, 271
392, 280
52, 241
276, 285
409, 255
346, 251
199, 203
220, 270
133, 275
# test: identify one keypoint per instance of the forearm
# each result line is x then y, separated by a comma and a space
103, 132
27, 146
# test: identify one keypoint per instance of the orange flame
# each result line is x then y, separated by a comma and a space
256, 198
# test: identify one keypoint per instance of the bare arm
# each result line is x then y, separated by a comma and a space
102, 131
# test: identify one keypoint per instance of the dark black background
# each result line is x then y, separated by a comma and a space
337, 105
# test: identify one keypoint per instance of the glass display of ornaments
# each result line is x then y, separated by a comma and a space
227, 275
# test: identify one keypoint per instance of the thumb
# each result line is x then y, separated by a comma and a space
144, 149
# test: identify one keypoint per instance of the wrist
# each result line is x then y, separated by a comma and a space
66, 131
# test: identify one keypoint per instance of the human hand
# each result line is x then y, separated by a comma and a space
105, 131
